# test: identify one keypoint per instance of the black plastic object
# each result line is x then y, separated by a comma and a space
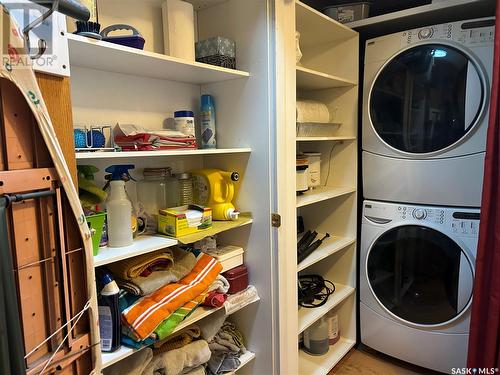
305, 253
11, 337
70, 8
305, 241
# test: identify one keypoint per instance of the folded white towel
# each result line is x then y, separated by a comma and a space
220, 285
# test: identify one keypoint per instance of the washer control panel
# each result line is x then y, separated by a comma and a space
472, 33
462, 222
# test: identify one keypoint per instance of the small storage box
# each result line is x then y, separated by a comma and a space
181, 221
348, 12
228, 256
238, 279
217, 51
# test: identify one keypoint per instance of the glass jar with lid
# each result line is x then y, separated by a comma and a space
154, 193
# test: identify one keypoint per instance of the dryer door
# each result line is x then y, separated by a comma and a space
420, 275
427, 99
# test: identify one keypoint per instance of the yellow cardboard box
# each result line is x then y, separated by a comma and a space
183, 220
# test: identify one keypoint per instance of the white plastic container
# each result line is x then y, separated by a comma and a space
314, 160
184, 122
119, 214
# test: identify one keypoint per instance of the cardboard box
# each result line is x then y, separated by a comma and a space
181, 221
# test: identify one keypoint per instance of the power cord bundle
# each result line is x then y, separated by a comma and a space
314, 290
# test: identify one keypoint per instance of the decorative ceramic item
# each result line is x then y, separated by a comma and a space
298, 52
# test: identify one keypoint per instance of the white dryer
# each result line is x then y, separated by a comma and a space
416, 280
425, 113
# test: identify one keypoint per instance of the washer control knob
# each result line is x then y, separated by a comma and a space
425, 33
419, 214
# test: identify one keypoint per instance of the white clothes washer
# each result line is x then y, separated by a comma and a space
425, 113
416, 279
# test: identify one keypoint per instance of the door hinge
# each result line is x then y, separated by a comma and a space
276, 220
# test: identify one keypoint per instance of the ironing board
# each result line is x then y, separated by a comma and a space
22, 181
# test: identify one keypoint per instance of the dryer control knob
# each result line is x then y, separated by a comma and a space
425, 33
419, 214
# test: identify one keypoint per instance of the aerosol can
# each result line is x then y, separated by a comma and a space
215, 189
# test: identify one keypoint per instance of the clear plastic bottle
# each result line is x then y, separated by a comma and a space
119, 209
154, 194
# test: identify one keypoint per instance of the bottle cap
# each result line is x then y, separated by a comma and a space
207, 100
184, 113
233, 214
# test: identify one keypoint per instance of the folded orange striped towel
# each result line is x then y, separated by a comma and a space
147, 313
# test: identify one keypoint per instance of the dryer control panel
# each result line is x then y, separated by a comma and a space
461, 222
473, 33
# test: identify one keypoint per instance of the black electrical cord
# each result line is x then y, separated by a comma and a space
312, 288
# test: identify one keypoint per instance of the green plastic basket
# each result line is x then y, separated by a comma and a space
96, 224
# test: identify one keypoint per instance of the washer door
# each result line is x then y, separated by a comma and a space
420, 275
427, 98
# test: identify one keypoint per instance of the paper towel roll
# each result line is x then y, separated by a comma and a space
311, 111
178, 29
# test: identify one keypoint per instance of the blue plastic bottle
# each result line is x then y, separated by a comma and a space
207, 122
109, 314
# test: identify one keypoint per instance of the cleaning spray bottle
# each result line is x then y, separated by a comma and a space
122, 221
215, 189
109, 313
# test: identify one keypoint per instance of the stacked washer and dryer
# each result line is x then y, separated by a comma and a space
425, 118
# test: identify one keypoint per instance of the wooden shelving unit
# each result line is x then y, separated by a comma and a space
89, 53
115, 84
328, 72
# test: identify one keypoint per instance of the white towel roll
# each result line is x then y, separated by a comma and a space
312, 111
178, 29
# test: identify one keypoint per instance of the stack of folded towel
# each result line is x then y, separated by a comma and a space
162, 310
182, 263
227, 346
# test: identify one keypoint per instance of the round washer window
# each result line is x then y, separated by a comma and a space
426, 98
414, 271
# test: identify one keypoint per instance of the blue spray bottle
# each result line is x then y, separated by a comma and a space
207, 122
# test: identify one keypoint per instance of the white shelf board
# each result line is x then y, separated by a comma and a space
110, 57
142, 245
201, 312
309, 316
442, 11
245, 359
328, 247
309, 79
321, 365
323, 193
109, 359
317, 29
319, 139
148, 154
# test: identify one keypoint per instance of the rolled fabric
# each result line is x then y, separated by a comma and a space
215, 299
175, 362
310, 111
184, 262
